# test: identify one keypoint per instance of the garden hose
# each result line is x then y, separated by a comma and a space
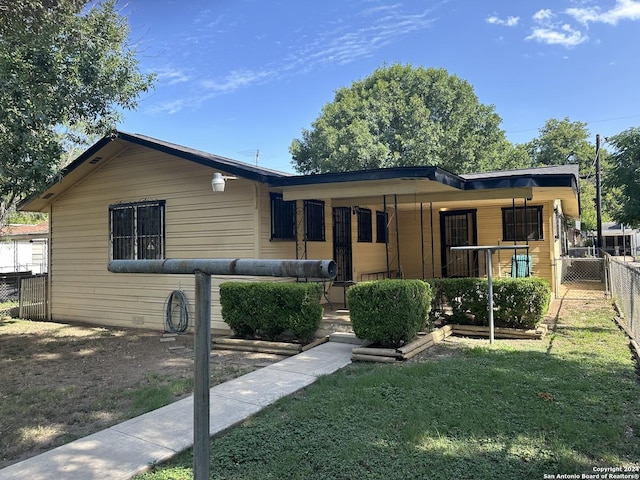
177, 299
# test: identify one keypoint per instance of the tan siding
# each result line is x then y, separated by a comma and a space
412, 242
199, 224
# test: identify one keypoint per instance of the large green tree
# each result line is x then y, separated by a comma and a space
67, 71
401, 116
623, 176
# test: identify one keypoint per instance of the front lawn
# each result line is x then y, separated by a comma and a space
516, 409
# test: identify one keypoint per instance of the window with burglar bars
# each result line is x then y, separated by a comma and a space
522, 223
137, 230
314, 220
283, 218
364, 225
381, 227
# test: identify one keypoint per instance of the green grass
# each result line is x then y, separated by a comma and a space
157, 392
511, 410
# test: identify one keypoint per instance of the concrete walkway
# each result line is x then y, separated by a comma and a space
123, 450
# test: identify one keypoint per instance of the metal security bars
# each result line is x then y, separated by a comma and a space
364, 225
522, 223
314, 220
137, 230
283, 218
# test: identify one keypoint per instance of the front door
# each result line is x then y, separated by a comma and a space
457, 229
342, 242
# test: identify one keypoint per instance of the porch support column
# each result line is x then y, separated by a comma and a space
433, 258
395, 206
386, 233
422, 240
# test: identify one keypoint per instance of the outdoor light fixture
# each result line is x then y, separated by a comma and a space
219, 181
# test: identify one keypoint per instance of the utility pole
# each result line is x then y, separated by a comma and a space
598, 197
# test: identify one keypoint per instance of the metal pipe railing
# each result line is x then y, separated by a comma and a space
203, 269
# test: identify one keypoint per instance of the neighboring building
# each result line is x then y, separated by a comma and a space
23, 248
131, 196
617, 239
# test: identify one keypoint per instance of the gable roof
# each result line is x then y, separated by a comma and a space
117, 141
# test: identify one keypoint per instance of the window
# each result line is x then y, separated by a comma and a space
314, 220
136, 230
283, 218
364, 225
381, 227
522, 223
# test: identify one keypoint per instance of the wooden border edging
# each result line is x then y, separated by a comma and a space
263, 346
388, 355
507, 333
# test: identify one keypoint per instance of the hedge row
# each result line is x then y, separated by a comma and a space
518, 302
389, 312
267, 310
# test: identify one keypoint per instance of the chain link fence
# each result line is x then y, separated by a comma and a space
625, 290
10, 292
581, 276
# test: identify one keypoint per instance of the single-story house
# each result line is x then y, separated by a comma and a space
134, 197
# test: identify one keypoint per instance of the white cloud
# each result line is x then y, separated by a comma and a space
548, 29
340, 43
565, 36
343, 45
623, 10
543, 15
174, 106
171, 76
235, 80
509, 22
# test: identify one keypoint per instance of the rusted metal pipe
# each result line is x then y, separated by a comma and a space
228, 266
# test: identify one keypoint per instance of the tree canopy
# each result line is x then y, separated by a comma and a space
623, 175
66, 72
401, 116
562, 142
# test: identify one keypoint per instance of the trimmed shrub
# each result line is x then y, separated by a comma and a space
518, 302
521, 302
268, 309
389, 312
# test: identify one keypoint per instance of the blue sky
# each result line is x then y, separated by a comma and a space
240, 76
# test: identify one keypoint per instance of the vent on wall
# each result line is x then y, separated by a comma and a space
48, 195
95, 160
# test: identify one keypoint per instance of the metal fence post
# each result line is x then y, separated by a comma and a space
201, 381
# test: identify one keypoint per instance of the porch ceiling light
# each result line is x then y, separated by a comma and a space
219, 181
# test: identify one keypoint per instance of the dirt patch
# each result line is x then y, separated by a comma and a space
60, 382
